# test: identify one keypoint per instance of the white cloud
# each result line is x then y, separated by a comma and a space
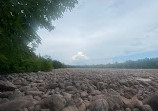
102, 29
79, 56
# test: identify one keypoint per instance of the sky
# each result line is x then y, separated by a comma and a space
103, 31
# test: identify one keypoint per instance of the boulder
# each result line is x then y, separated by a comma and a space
135, 109
37, 107
71, 88
152, 101
4, 100
78, 101
14, 105
95, 92
128, 109
68, 84
62, 85
31, 108
114, 102
5, 94
40, 81
6, 86
67, 96
129, 92
87, 103
146, 108
25, 109
70, 108
15, 94
44, 109
132, 103
99, 105
82, 107
35, 93
84, 94
53, 86
54, 103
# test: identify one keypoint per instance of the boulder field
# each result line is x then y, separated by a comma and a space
80, 90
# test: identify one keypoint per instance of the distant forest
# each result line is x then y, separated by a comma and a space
147, 63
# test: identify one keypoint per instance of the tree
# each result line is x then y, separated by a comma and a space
19, 21
57, 64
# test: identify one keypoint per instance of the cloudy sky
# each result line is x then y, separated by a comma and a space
103, 31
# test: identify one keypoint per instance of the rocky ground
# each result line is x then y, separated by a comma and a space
80, 90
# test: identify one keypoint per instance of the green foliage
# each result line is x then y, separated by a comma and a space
46, 64
19, 22
3, 63
20, 19
147, 63
57, 64
31, 63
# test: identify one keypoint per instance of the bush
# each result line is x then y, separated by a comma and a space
3, 64
31, 63
57, 64
46, 64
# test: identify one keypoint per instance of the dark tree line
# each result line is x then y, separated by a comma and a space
147, 63
19, 22
58, 64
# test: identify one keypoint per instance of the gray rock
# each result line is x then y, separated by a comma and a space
68, 84
132, 103
78, 101
129, 93
25, 109
84, 94
146, 108
16, 94
99, 105
87, 103
37, 98
44, 109
95, 92
115, 102
128, 109
24, 88
70, 108
54, 103
152, 101
62, 85
7, 86
39, 81
18, 103
5, 94
67, 96
37, 107
71, 88
4, 100
35, 93
82, 107
53, 85
31, 108
135, 109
